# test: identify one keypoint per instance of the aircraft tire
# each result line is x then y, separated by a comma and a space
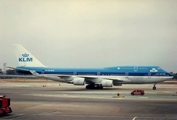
154, 88
87, 87
99, 86
90, 87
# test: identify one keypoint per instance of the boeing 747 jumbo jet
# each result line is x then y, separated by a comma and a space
93, 77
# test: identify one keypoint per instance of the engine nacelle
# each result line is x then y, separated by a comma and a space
107, 83
116, 83
79, 81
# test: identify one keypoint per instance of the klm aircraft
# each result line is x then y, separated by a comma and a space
92, 77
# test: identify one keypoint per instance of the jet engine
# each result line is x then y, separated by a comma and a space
107, 83
79, 81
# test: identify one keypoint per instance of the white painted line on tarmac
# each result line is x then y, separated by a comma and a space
134, 118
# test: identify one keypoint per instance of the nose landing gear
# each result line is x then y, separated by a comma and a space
154, 88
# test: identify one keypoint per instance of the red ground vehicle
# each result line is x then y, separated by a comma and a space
4, 105
137, 92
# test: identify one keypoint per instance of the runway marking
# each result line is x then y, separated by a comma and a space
134, 118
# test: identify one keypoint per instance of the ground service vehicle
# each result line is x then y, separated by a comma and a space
137, 92
4, 105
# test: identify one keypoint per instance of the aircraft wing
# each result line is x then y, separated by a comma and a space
54, 78
61, 77
34, 75
90, 78
119, 79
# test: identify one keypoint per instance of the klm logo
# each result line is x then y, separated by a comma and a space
153, 70
25, 58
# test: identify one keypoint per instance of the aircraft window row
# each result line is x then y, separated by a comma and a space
49, 70
160, 74
142, 68
127, 68
90, 74
85, 74
117, 74
99, 73
149, 74
111, 74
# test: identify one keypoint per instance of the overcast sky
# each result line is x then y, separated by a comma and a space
90, 33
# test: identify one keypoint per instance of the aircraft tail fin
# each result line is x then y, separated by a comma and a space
25, 58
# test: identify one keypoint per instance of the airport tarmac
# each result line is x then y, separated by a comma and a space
45, 100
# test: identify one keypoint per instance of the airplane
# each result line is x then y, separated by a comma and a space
94, 78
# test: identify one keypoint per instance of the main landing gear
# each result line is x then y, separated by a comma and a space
94, 86
154, 88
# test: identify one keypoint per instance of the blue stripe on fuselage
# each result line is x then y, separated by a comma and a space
110, 71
